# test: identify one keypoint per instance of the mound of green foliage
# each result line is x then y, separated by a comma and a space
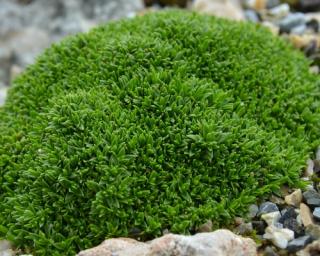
159, 122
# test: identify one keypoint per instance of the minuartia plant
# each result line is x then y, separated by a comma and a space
159, 122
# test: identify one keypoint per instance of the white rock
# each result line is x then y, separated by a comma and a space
7, 252
280, 10
5, 245
229, 9
318, 154
271, 218
218, 243
279, 237
294, 198
309, 168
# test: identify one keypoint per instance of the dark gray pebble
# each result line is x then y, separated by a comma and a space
251, 15
313, 202
292, 224
310, 194
272, 3
298, 243
267, 207
289, 213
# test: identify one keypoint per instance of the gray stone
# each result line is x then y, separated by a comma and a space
310, 194
251, 15
272, 3
313, 202
299, 30
269, 251
253, 210
314, 231
206, 227
290, 21
4, 245
267, 207
288, 213
244, 229
292, 224
316, 213
298, 243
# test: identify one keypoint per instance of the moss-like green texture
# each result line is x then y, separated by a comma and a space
162, 121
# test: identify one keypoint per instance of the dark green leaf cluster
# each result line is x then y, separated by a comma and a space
159, 122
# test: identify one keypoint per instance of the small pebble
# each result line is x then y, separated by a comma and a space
310, 194
290, 21
206, 227
292, 224
309, 169
280, 10
316, 213
267, 207
5, 245
313, 202
253, 210
299, 30
279, 237
305, 214
314, 231
269, 251
277, 200
298, 243
294, 198
238, 221
289, 213
271, 218
244, 229
272, 3
251, 15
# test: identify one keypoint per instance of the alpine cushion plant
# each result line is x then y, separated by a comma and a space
162, 121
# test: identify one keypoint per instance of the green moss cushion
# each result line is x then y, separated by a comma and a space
159, 122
